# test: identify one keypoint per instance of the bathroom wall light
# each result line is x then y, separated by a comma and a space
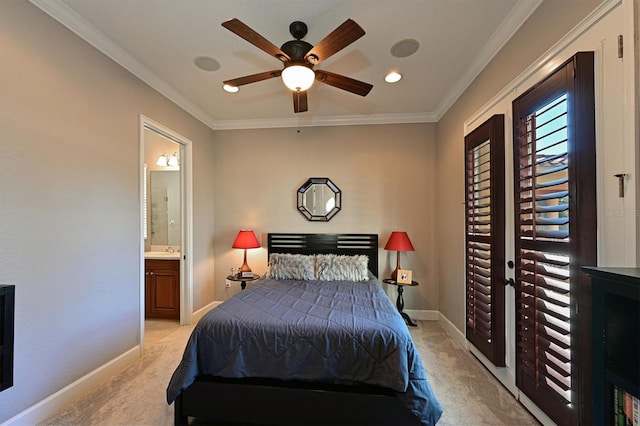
172, 161
162, 161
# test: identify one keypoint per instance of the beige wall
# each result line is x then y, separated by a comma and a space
386, 174
69, 228
69, 197
550, 22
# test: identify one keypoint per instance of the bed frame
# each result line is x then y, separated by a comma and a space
216, 401
346, 244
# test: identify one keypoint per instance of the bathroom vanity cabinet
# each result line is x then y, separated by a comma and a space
162, 289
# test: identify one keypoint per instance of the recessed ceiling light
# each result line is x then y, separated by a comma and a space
206, 63
405, 48
393, 77
230, 89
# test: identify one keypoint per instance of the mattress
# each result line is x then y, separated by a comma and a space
338, 332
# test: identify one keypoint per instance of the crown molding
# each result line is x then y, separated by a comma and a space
350, 120
62, 13
599, 13
518, 15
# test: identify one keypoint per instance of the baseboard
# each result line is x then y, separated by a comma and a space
195, 317
453, 331
459, 337
422, 315
55, 402
535, 411
429, 315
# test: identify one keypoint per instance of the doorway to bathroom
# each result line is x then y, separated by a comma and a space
165, 199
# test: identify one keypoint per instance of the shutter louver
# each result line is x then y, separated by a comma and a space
543, 296
555, 229
484, 188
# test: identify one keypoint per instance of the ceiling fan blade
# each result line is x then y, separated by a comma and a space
340, 38
239, 28
300, 101
240, 81
345, 83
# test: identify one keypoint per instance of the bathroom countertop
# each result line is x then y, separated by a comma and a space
160, 255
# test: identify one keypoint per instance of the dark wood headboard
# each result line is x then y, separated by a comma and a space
346, 244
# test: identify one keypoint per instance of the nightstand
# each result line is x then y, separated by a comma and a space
243, 280
400, 300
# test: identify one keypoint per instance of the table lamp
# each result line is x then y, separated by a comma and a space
246, 239
398, 241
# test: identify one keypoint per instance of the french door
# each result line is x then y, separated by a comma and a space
485, 210
554, 235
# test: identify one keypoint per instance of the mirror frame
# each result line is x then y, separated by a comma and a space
308, 185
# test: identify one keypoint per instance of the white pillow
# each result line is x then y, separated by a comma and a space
284, 266
333, 267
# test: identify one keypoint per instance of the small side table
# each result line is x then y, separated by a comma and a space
243, 280
400, 300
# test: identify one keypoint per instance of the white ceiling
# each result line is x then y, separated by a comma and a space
157, 40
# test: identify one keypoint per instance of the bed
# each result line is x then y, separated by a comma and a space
306, 345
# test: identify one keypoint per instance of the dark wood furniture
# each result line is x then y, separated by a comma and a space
243, 280
400, 300
275, 402
347, 244
7, 318
162, 288
615, 337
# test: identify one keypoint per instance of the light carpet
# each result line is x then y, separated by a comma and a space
468, 394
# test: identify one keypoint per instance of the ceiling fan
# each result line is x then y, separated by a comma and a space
299, 58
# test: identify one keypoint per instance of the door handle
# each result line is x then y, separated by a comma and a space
510, 282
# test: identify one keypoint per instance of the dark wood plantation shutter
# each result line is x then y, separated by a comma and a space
554, 176
484, 170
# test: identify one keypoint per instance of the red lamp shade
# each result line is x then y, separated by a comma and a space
398, 241
246, 239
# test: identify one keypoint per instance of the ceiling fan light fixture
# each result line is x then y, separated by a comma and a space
298, 77
393, 77
230, 89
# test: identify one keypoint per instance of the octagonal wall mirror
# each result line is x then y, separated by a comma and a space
319, 199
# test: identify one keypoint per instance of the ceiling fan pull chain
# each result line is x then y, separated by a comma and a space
298, 117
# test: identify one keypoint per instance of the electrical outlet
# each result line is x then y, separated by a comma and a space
227, 284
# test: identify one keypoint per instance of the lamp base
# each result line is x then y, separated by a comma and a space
245, 271
394, 274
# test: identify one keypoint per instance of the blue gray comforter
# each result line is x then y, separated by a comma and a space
337, 331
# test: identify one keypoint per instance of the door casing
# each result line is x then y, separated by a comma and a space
186, 211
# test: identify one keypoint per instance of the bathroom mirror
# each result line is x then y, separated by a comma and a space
319, 199
165, 207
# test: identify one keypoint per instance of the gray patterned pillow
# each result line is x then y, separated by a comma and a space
283, 266
333, 267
